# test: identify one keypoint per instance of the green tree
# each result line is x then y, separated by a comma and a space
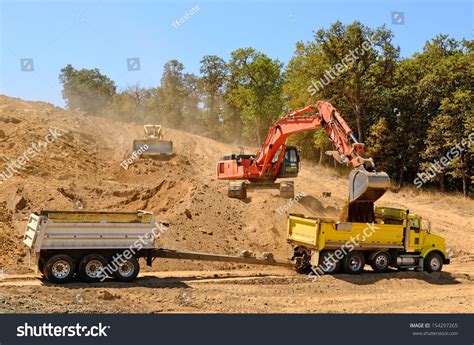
172, 94
86, 90
258, 92
214, 74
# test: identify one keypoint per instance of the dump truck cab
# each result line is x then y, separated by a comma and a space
417, 237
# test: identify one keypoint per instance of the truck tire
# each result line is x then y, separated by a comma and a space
433, 262
59, 269
128, 270
91, 267
328, 256
380, 262
354, 262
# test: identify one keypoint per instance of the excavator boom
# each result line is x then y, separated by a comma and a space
274, 159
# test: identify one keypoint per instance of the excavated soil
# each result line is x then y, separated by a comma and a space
80, 170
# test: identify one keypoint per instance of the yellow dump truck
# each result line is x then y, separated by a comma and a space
397, 239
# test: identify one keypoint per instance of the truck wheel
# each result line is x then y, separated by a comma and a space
328, 263
287, 189
354, 263
380, 262
59, 268
433, 262
128, 270
91, 268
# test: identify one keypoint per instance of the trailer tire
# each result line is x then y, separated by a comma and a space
59, 269
354, 262
128, 270
333, 269
380, 262
90, 268
433, 262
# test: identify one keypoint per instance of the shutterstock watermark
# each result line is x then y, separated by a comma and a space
336, 70
119, 259
438, 166
187, 14
49, 330
16, 165
134, 156
290, 203
333, 257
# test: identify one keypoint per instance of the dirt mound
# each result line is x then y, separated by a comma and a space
79, 169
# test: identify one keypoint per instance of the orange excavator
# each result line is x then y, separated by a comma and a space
276, 160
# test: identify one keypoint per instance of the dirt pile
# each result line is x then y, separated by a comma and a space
80, 170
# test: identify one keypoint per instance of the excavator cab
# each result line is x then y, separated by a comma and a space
290, 164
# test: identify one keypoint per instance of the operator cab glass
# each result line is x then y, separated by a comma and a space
290, 164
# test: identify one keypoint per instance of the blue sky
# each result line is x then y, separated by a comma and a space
104, 34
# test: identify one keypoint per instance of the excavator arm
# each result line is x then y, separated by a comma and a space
347, 149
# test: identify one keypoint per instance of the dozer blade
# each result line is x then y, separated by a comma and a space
153, 147
366, 186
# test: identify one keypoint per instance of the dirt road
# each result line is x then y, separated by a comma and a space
247, 291
81, 171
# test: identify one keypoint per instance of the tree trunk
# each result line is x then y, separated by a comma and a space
358, 123
321, 155
464, 176
212, 120
442, 183
257, 128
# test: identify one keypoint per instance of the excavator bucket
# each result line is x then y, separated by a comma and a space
153, 147
367, 186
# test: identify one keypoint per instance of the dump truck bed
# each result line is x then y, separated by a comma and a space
323, 233
49, 230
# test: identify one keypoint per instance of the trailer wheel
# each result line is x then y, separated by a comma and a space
59, 268
128, 270
91, 268
328, 263
433, 262
354, 262
380, 262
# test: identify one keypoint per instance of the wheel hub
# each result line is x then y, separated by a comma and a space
435, 264
93, 268
381, 261
355, 263
126, 269
61, 269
